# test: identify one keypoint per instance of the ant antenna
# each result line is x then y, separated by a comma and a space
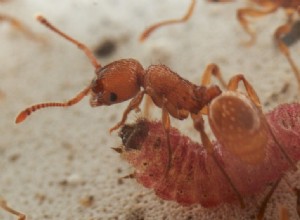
25, 113
152, 28
81, 46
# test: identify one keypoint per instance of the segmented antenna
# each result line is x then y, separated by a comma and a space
25, 113
81, 46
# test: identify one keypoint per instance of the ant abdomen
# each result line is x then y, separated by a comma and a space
239, 125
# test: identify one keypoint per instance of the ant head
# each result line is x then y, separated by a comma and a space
116, 82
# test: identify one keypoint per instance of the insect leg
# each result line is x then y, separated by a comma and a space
212, 70
232, 86
199, 126
167, 124
134, 103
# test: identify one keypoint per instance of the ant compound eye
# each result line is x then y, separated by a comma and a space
113, 97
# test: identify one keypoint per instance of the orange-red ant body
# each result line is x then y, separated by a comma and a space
126, 79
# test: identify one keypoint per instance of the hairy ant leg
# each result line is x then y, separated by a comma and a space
146, 33
3, 205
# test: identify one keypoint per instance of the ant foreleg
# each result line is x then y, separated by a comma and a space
3, 204
199, 126
134, 103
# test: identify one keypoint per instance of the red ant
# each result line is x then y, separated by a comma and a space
122, 80
3, 204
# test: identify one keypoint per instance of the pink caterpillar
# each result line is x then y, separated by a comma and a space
194, 176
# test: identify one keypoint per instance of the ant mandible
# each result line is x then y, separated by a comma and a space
126, 79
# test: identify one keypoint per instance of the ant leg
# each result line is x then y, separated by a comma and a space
232, 86
263, 207
281, 31
134, 103
199, 126
146, 33
212, 70
167, 124
243, 12
3, 204
147, 106
81, 46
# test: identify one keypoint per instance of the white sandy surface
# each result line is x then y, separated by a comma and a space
58, 158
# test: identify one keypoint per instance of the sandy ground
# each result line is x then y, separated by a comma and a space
51, 164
